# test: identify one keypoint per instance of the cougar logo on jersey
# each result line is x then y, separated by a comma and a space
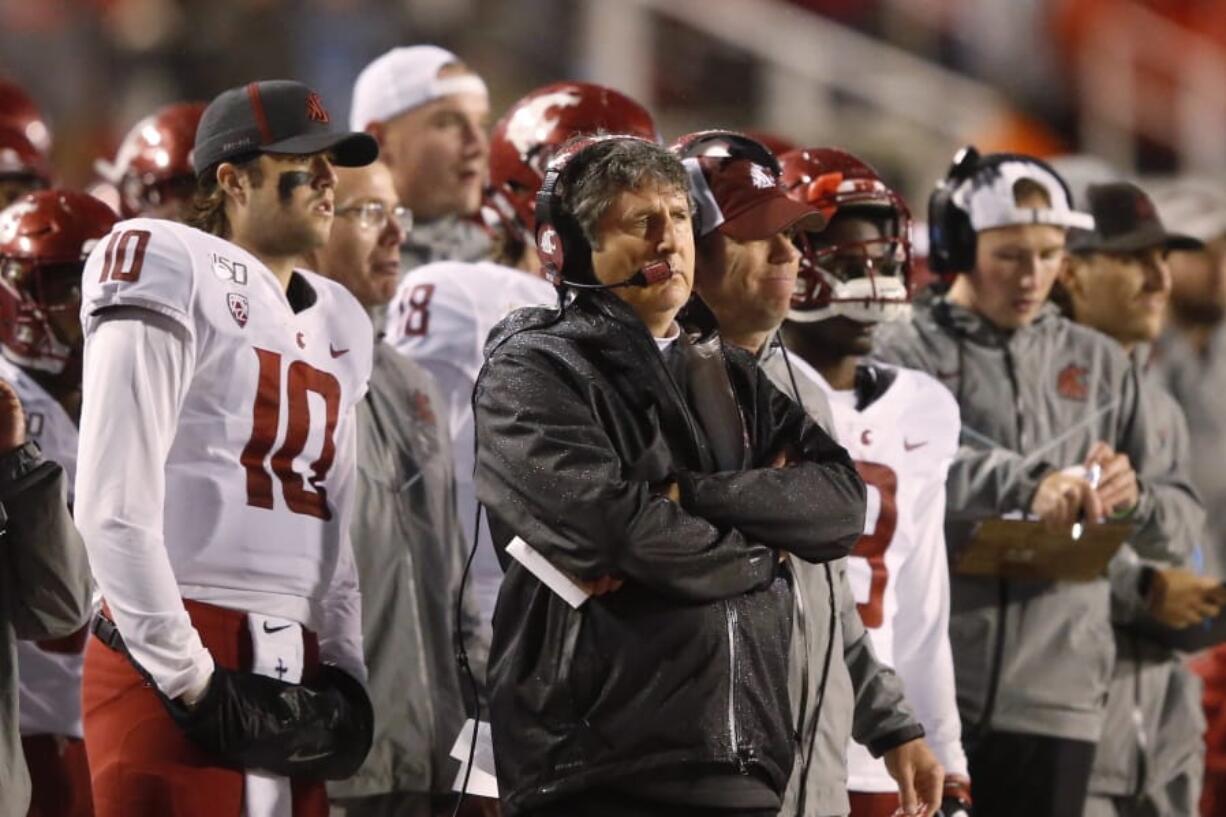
238, 308
1071, 382
530, 125
228, 270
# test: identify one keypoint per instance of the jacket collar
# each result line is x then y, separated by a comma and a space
974, 327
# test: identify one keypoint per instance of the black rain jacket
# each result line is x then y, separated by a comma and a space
685, 667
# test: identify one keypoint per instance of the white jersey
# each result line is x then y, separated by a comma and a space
903, 443
440, 317
48, 673
241, 447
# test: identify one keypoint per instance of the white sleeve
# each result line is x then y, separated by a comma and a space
340, 635
435, 323
922, 653
138, 365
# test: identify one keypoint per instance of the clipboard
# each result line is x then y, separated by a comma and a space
1021, 549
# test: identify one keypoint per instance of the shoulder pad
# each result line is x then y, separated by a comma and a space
146, 263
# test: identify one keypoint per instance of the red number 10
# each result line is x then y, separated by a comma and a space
872, 546
301, 378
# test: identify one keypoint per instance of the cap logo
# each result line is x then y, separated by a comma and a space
1144, 208
315, 109
760, 176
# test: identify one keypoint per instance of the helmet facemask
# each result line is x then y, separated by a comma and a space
34, 298
863, 280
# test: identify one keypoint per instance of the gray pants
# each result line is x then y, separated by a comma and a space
1178, 798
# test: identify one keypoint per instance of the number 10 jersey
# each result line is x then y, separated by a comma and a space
259, 475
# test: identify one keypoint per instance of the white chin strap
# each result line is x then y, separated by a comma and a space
867, 300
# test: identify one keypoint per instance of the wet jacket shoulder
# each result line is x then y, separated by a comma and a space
578, 415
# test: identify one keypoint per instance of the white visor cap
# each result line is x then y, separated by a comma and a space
987, 198
405, 78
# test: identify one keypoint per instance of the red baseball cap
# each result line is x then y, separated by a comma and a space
743, 199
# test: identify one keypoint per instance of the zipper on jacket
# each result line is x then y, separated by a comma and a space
733, 737
1002, 584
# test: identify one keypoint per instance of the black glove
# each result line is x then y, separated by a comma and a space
956, 799
321, 729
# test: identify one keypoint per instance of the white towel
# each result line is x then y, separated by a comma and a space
277, 653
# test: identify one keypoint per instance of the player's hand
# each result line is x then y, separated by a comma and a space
1062, 499
956, 801
919, 776
12, 419
1117, 488
1180, 598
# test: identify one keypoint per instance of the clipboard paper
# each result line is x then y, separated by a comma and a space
1020, 549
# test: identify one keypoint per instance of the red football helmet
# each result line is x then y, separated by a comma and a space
862, 280
44, 240
22, 167
153, 167
524, 140
19, 111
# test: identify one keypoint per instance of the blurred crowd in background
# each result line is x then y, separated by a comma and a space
1129, 81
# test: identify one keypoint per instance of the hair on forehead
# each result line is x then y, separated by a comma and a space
600, 173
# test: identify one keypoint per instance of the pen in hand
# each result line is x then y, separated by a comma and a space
1093, 475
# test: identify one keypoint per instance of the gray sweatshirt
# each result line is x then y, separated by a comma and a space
1154, 722
1030, 656
410, 554
45, 591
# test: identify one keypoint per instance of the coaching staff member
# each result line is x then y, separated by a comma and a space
669, 478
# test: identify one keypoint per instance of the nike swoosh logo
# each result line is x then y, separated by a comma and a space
337, 352
271, 630
913, 446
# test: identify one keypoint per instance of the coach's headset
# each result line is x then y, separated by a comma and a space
951, 238
565, 252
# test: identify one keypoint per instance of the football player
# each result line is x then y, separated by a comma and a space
25, 144
901, 428
44, 239
152, 169
214, 481
443, 312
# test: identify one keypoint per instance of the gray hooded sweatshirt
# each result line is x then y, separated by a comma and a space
1031, 657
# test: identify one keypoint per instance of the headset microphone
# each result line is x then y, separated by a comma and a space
653, 273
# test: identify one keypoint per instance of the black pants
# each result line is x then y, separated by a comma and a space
1016, 775
610, 804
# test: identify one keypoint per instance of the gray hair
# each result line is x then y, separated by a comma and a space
607, 169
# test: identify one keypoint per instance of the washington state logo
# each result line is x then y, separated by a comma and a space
1071, 383
238, 308
316, 110
760, 176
